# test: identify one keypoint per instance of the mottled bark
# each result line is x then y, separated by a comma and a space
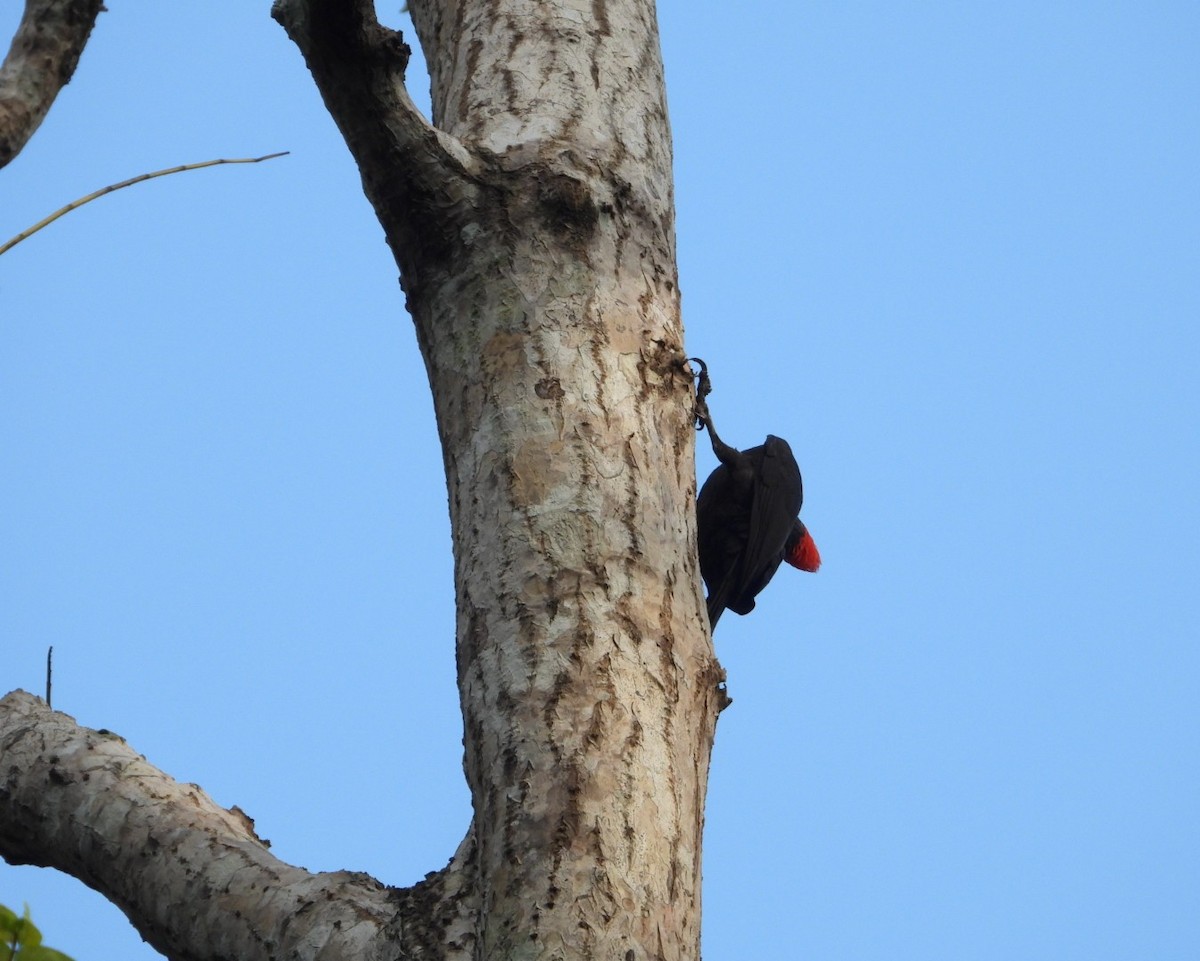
194, 878
44, 53
540, 274
533, 229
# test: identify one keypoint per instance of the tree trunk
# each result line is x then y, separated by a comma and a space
533, 228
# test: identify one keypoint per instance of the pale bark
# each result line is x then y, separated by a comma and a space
533, 229
41, 60
194, 878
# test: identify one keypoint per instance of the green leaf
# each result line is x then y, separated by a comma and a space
8, 920
21, 940
28, 935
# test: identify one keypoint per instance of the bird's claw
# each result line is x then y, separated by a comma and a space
703, 389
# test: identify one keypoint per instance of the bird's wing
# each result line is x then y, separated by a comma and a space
778, 494
716, 512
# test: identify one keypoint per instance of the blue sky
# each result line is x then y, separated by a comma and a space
950, 251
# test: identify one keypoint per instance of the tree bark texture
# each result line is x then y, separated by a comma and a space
41, 60
532, 223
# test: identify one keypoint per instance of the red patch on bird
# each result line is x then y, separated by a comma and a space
805, 554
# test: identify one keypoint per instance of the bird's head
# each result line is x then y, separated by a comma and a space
801, 550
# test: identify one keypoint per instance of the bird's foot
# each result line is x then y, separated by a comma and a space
703, 389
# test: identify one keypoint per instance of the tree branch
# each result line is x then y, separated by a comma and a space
44, 53
84, 802
415, 175
111, 188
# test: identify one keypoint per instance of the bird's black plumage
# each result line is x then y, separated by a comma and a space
746, 521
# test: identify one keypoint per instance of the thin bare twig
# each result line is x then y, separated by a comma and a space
75, 204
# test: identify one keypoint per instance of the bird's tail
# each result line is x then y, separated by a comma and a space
718, 600
715, 607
